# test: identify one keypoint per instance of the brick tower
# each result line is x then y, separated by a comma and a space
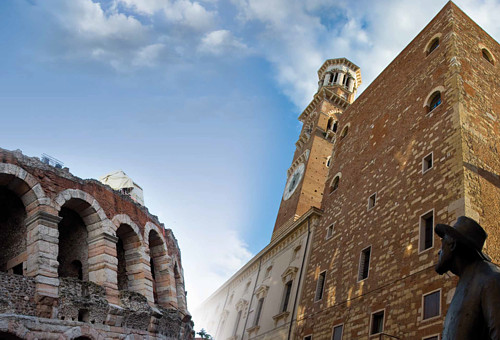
337, 85
421, 149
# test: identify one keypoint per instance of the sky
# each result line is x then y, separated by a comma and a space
197, 101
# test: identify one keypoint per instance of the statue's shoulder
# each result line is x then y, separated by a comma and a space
490, 273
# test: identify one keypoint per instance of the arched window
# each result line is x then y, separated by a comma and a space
433, 45
435, 101
487, 55
344, 132
329, 125
335, 183
328, 161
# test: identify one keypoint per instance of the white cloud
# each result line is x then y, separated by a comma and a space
221, 41
148, 55
182, 12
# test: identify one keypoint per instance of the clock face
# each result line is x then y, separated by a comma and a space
293, 181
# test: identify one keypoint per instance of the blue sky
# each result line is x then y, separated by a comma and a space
196, 100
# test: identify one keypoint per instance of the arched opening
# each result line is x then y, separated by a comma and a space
8, 336
487, 55
73, 244
179, 287
127, 253
329, 125
335, 184
156, 251
433, 45
12, 231
344, 132
435, 100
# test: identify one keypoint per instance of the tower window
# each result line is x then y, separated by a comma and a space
329, 231
427, 163
431, 305
377, 322
336, 77
344, 132
426, 239
337, 332
435, 101
364, 263
434, 44
372, 200
328, 161
320, 285
487, 55
335, 184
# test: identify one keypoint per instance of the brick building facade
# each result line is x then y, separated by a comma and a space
417, 148
82, 261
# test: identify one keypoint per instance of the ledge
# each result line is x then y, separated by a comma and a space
253, 329
282, 315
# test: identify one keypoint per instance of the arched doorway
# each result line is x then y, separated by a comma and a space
127, 251
12, 232
73, 244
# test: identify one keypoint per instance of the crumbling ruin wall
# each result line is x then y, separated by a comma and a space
57, 221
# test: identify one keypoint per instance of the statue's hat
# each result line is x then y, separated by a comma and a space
468, 232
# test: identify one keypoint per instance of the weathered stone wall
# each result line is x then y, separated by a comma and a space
60, 219
17, 294
390, 131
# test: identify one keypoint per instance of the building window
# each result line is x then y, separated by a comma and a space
434, 44
337, 332
372, 200
487, 55
364, 263
431, 305
329, 231
286, 296
258, 311
435, 101
237, 324
344, 132
328, 161
335, 184
427, 163
433, 337
320, 285
377, 323
426, 231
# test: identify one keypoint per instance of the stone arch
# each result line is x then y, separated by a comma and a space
20, 194
81, 213
162, 278
131, 255
23, 184
81, 333
432, 93
13, 330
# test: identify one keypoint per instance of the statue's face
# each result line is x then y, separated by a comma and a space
445, 255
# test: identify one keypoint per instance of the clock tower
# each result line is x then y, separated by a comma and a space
338, 82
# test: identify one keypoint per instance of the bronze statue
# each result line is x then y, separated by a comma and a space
474, 312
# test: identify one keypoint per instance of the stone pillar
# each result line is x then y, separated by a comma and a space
340, 79
42, 248
327, 79
138, 272
350, 84
103, 264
